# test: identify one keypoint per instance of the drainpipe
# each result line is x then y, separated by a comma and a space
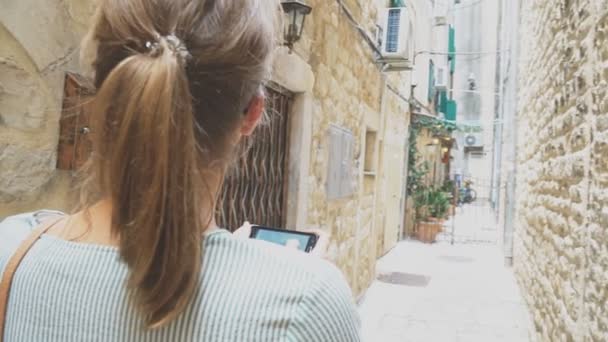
511, 119
498, 115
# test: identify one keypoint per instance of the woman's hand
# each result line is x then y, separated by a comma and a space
244, 232
320, 249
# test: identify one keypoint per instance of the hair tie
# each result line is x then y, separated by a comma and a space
173, 43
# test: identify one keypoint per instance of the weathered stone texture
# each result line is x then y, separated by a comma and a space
561, 253
38, 42
348, 90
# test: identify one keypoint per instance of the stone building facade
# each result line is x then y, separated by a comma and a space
34, 55
334, 80
350, 92
474, 88
561, 236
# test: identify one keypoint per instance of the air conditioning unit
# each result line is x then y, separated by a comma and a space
473, 140
396, 45
441, 78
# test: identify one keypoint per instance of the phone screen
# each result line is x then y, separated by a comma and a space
303, 241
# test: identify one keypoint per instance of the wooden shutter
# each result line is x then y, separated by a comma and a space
74, 139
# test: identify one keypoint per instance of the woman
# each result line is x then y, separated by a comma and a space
179, 82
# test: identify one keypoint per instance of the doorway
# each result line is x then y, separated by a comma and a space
255, 187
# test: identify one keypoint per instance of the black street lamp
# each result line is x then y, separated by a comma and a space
295, 13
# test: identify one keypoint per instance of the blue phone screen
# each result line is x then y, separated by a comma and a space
282, 238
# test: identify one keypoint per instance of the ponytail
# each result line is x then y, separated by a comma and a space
145, 117
164, 124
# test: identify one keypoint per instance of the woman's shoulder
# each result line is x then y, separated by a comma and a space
325, 309
270, 255
14, 229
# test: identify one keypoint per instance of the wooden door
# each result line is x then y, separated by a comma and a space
75, 144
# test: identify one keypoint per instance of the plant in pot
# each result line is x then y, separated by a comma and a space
432, 205
448, 188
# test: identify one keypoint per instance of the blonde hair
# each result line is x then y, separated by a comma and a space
173, 79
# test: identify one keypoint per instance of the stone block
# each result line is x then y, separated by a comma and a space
24, 170
562, 101
47, 35
21, 97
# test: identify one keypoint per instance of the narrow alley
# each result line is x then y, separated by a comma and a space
448, 157
444, 292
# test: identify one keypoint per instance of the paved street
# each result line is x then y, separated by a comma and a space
473, 223
452, 293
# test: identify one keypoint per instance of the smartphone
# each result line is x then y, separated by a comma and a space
304, 241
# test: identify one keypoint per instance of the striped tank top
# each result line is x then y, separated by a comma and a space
249, 291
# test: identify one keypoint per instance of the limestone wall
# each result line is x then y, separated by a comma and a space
561, 253
351, 92
34, 55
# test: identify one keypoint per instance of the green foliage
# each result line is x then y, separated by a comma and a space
439, 203
431, 202
416, 170
448, 186
443, 127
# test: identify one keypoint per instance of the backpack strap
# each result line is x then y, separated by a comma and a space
13, 263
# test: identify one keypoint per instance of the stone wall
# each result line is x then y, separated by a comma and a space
351, 92
561, 253
34, 55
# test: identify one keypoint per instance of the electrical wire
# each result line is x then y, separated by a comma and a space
371, 44
469, 5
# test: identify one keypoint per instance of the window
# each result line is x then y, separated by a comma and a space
392, 37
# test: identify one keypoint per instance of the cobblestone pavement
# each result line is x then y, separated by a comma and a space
461, 292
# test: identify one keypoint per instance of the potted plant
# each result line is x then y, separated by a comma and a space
448, 188
432, 205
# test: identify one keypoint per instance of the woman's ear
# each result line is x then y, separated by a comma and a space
253, 115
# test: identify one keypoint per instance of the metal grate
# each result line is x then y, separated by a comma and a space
254, 189
406, 279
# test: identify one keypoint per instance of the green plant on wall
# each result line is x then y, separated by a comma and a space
417, 170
